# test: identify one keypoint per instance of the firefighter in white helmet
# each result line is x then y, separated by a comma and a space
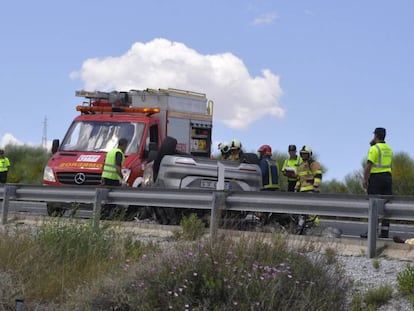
224, 148
309, 180
235, 150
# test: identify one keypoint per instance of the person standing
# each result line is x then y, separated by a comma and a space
291, 166
235, 150
268, 166
224, 148
112, 170
378, 172
4, 167
309, 172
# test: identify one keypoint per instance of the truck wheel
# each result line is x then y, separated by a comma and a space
168, 147
55, 209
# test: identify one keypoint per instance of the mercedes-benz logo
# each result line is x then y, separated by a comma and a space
80, 178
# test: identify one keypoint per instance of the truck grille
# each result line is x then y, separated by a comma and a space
79, 178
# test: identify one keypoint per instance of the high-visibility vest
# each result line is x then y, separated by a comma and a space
380, 155
294, 164
4, 164
109, 169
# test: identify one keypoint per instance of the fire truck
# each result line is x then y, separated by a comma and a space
143, 117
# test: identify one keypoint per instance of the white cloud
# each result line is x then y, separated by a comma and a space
264, 19
9, 139
239, 99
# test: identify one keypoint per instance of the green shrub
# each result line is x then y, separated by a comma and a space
378, 296
405, 281
193, 228
376, 263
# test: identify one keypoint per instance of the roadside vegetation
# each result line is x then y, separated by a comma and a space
66, 265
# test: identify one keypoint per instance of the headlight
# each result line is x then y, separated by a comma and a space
48, 174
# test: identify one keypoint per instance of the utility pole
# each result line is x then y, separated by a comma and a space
44, 137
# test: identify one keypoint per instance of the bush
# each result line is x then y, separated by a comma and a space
405, 281
378, 296
249, 274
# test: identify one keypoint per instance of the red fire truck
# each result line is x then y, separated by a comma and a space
143, 117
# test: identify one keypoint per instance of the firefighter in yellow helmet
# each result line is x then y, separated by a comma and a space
309, 179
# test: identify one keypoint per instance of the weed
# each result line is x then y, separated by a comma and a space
376, 263
330, 256
378, 296
193, 228
405, 281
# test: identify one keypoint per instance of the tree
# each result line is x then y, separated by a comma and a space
27, 163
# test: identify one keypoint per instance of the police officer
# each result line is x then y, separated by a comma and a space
112, 170
377, 172
290, 167
4, 167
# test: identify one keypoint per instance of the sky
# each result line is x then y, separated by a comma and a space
309, 72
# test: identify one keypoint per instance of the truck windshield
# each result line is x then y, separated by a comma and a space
102, 136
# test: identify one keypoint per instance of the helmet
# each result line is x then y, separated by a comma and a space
265, 150
306, 149
235, 144
224, 147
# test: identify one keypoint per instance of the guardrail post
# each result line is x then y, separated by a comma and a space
9, 191
100, 195
220, 176
376, 206
218, 204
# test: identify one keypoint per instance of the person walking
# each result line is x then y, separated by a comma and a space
4, 167
378, 172
268, 166
290, 167
112, 169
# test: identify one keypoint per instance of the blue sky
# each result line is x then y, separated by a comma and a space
317, 73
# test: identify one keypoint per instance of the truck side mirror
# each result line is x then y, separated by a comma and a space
55, 145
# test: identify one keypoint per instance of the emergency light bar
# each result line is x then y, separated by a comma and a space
86, 109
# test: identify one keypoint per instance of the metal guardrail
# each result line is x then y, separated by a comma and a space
352, 206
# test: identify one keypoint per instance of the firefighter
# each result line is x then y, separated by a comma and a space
112, 170
225, 150
291, 166
235, 150
4, 167
268, 166
377, 172
309, 180
309, 173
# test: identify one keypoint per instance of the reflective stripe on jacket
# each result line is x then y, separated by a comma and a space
294, 164
109, 169
310, 176
270, 177
380, 155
